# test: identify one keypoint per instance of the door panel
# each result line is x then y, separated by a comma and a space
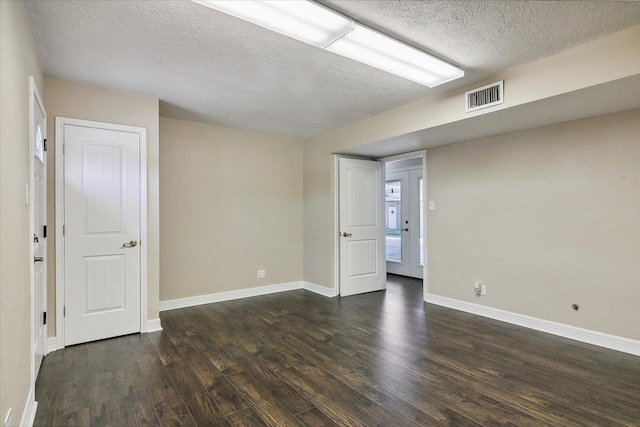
39, 212
102, 215
362, 265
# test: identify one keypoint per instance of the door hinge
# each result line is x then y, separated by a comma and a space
44, 318
44, 231
63, 229
64, 311
45, 144
64, 148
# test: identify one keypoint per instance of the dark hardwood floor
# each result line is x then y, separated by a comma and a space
297, 358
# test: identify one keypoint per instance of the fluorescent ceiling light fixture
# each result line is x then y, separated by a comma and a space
319, 26
377, 50
302, 20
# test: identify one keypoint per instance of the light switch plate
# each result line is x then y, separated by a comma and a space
432, 205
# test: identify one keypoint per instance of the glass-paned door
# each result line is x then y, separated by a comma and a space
393, 217
405, 222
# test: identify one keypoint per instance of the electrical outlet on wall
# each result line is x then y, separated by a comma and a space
262, 274
7, 419
477, 288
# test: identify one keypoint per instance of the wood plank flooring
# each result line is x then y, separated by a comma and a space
297, 358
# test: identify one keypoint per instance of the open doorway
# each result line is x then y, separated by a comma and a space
405, 219
399, 220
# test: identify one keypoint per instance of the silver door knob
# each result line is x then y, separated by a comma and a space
38, 259
345, 234
130, 244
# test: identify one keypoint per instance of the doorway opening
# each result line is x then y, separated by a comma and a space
405, 221
404, 217
402, 227
101, 230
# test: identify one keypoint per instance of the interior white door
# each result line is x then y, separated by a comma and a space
362, 251
39, 215
102, 233
404, 223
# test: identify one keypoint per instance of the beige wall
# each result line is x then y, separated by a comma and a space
18, 61
600, 61
545, 218
231, 203
77, 101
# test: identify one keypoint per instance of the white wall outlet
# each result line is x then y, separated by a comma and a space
432, 205
7, 419
262, 274
483, 289
477, 288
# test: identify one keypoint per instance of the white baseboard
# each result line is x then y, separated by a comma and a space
30, 408
322, 290
153, 325
625, 345
52, 344
227, 296
243, 293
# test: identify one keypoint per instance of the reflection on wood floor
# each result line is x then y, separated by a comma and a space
297, 358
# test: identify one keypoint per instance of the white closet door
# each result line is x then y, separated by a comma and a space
102, 233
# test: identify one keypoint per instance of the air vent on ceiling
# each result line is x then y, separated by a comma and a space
485, 96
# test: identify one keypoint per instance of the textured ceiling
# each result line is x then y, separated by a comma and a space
209, 67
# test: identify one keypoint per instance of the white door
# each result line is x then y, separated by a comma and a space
362, 252
102, 233
404, 223
39, 216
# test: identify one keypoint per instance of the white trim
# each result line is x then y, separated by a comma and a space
228, 295
613, 342
30, 408
405, 156
144, 237
153, 325
52, 344
322, 290
59, 206
336, 222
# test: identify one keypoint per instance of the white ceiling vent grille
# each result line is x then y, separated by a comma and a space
485, 96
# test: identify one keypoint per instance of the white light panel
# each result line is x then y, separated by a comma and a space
377, 50
302, 20
319, 26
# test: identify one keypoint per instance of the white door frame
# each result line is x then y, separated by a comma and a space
413, 155
34, 98
59, 200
